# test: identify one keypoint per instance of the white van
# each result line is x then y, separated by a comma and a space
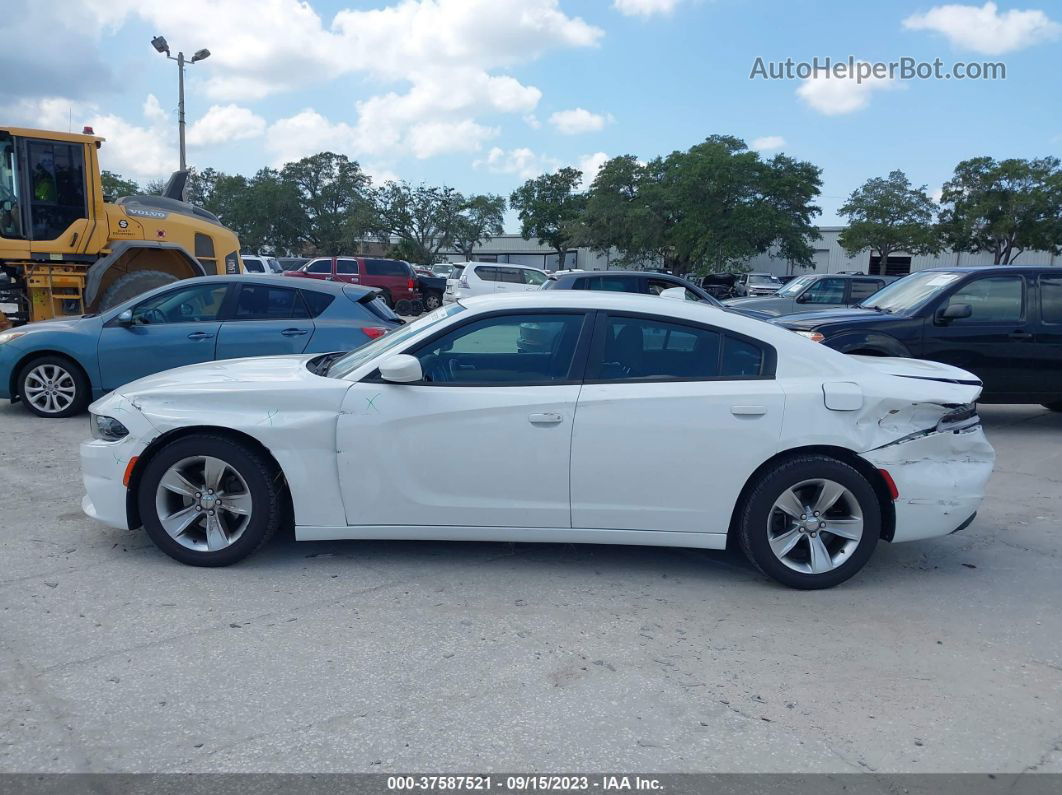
491, 278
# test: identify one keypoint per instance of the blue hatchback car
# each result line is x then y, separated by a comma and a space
57, 367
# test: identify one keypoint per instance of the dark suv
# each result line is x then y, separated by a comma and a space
1002, 323
394, 277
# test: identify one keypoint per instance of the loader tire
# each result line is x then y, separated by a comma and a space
131, 285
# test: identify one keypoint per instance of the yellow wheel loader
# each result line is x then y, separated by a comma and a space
65, 249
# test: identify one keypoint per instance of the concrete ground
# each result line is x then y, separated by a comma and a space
943, 655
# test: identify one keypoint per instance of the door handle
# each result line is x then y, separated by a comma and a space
1020, 335
294, 332
546, 418
748, 411
200, 335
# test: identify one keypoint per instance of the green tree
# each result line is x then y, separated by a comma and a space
114, 186
423, 218
1004, 207
154, 187
887, 215
551, 210
707, 209
334, 195
478, 220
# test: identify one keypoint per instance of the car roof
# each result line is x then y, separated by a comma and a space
280, 280
993, 269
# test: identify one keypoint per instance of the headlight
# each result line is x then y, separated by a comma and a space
814, 336
7, 336
107, 428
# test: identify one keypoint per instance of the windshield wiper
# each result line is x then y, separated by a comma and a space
322, 365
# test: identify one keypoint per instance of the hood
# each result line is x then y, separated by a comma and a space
257, 374
78, 323
811, 320
765, 305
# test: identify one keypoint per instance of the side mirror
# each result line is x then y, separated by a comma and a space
401, 369
955, 312
125, 318
673, 292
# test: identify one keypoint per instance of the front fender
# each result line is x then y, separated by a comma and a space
876, 341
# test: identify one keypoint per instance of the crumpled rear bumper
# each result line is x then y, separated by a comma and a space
940, 479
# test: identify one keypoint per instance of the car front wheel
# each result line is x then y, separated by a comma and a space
810, 522
52, 386
208, 500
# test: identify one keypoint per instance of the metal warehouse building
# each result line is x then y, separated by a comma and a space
829, 257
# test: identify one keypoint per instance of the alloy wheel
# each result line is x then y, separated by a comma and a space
50, 388
815, 526
203, 503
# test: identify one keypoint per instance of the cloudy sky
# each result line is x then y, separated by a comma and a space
481, 94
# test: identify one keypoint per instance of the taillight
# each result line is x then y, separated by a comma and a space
374, 332
463, 283
411, 284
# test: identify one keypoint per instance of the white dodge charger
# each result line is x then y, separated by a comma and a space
555, 417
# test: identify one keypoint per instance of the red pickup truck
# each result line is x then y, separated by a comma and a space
395, 277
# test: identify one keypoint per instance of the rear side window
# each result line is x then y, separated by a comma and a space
636, 349
1051, 299
487, 274
863, 289
320, 266
316, 303
386, 267
263, 302
347, 266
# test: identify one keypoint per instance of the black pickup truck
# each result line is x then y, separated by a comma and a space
1002, 323
431, 289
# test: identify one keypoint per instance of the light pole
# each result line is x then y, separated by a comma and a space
160, 45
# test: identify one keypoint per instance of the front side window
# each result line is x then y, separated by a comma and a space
992, 299
824, 291
193, 304
636, 349
505, 350
57, 185
252, 265
320, 266
263, 302
535, 278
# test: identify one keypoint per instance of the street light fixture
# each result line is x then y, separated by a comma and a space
163, 48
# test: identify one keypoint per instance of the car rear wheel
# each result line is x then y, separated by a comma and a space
209, 501
52, 386
432, 300
810, 522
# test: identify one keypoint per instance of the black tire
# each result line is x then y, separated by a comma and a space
70, 373
432, 300
263, 483
752, 522
1055, 405
130, 285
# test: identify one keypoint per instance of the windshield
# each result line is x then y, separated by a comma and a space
762, 278
345, 365
910, 292
794, 287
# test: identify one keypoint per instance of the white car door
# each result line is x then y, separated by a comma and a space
672, 420
483, 441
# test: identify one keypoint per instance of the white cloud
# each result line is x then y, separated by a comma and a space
522, 162
531, 120
307, 133
983, 29
436, 137
836, 96
578, 120
644, 8
766, 143
590, 165
225, 123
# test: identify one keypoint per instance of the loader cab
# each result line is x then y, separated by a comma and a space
47, 195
